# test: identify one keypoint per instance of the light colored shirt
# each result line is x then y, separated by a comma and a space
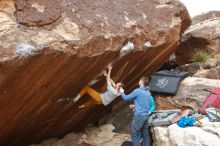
110, 95
142, 100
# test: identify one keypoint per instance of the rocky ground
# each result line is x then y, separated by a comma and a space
102, 136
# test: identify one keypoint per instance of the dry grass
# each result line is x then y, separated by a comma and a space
201, 56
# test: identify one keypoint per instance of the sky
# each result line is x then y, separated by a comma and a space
196, 7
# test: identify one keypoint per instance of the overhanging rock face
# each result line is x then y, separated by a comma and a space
51, 49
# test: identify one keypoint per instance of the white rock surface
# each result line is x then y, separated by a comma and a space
190, 136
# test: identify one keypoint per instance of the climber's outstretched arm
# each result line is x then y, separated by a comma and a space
112, 82
108, 78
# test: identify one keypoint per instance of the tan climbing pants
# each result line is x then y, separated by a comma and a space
94, 94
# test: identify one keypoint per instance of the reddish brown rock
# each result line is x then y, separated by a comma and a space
37, 12
164, 102
68, 44
203, 35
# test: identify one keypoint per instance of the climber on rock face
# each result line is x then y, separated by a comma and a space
101, 98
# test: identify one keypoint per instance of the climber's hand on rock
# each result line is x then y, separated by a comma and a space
105, 73
121, 90
110, 67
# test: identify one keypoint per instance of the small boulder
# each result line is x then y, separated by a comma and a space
208, 73
210, 63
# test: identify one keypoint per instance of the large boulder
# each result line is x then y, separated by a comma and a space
176, 136
191, 93
50, 50
203, 35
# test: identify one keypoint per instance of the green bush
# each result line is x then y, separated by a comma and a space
201, 56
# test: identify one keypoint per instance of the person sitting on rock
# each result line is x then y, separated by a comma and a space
105, 98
